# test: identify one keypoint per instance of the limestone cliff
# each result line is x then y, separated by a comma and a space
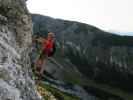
15, 42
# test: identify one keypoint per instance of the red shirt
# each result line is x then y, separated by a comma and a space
48, 46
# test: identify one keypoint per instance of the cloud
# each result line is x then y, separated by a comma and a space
105, 14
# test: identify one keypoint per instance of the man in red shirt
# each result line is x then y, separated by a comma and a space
48, 45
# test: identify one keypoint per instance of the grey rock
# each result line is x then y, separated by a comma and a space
3, 19
15, 41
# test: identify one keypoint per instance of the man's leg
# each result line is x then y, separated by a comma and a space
43, 65
39, 63
38, 66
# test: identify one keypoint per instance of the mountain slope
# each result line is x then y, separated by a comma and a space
89, 52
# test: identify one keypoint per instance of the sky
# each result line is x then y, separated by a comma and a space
109, 15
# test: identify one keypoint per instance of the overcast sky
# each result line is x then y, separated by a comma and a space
114, 15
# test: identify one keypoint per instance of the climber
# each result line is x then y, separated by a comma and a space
47, 50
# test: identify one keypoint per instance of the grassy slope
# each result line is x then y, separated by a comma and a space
59, 94
76, 79
48, 92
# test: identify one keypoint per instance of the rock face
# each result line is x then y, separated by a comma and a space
15, 42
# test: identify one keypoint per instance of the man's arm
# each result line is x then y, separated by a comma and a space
40, 40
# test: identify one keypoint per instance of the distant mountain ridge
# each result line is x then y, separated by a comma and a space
126, 33
121, 33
